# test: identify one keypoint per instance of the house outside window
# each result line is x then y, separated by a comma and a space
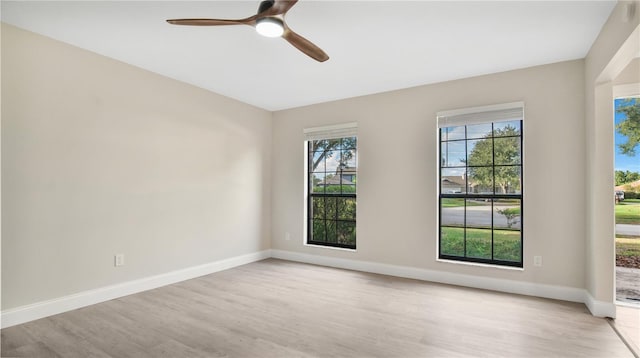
331, 185
480, 185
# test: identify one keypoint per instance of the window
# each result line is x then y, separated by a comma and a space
480, 169
332, 172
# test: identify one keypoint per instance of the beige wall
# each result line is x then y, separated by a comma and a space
616, 46
397, 180
99, 157
630, 75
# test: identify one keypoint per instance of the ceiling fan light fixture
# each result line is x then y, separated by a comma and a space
270, 27
269, 21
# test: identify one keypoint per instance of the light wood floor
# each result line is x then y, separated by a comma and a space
628, 324
277, 308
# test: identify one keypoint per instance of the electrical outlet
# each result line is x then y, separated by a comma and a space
118, 260
537, 261
287, 236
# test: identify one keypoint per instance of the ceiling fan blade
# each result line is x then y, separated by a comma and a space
304, 45
213, 22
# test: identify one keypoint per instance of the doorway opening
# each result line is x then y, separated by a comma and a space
627, 199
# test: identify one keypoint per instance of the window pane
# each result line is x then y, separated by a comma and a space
480, 152
352, 177
318, 232
451, 212
331, 183
452, 241
316, 162
347, 208
333, 144
507, 180
330, 207
350, 143
348, 160
479, 213
317, 183
506, 245
506, 214
480, 180
331, 161
507, 150
346, 233
318, 208
332, 235
479, 131
511, 128
452, 133
479, 243
453, 154
348, 188
453, 181
318, 145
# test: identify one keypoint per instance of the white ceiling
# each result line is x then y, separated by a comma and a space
374, 46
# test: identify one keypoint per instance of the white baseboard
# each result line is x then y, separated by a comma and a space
43, 309
597, 308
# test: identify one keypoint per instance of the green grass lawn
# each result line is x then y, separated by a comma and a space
453, 203
628, 212
627, 247
506, 243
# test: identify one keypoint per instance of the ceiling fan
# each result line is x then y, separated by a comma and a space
269, 21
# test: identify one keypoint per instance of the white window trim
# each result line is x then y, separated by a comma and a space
318, 133
482, 114
626, 91
331, 132
441, 122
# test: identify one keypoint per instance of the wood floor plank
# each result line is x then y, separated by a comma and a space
276, 308
628, 324
38, 349
56, 338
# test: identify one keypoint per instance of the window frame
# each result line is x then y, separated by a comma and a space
310, 195
466, 195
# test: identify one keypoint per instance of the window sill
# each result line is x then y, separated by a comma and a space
331, 247
477, 264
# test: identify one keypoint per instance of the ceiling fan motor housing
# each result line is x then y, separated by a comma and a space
265, 5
